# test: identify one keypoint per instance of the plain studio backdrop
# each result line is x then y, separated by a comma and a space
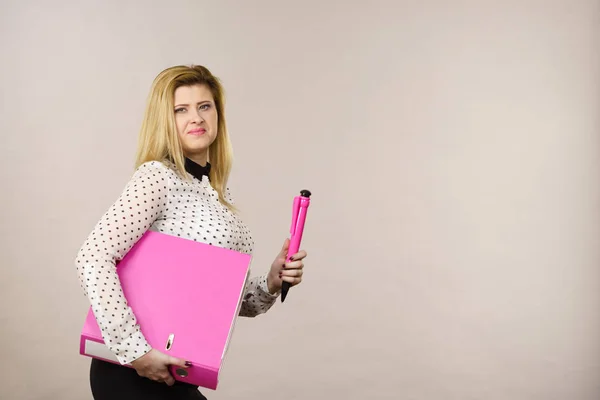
453, 152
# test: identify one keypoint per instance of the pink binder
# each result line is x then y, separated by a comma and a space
186, 296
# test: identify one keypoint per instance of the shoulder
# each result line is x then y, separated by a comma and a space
154, 169
153, 173
228, 196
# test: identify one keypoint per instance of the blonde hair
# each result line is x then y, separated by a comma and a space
158, 139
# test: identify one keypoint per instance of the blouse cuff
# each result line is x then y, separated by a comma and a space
263, 290
132, 348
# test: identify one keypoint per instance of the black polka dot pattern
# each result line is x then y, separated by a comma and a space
157, 198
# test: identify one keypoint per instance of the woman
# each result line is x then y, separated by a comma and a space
174, 190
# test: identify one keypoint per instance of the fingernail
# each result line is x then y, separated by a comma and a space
292, 259
188, 363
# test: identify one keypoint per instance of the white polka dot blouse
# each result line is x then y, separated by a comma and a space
156, 198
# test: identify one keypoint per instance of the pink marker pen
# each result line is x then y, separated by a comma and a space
299, 210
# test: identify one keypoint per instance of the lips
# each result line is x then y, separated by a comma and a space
197, 132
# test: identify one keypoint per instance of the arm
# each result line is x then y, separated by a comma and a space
261, 292
139, 205
256, 299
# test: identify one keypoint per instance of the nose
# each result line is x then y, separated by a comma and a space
197, 116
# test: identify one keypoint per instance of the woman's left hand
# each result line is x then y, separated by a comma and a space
281, 270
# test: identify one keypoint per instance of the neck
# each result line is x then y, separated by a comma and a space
200, 159
197, 170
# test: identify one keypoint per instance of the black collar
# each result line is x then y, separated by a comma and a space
197, 170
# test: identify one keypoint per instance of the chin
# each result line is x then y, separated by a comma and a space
198, 142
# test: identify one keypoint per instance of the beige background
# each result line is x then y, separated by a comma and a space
452, 149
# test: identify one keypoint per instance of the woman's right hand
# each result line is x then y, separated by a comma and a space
155, 365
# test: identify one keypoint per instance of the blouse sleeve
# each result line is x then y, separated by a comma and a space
256, 299
142, 201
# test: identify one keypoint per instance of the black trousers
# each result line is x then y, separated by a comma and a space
110, 381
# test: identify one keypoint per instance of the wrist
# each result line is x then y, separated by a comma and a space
140, 359
272, 286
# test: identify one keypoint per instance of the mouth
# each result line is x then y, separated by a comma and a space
197, 132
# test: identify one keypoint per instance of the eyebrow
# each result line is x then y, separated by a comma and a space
200, 102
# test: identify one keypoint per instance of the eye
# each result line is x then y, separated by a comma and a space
179, 110
205, 106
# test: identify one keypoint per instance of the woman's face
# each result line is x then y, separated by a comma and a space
196, 119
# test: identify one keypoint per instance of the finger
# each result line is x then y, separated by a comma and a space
166, 377
291, 280
299, 255
292, 272
293, 265
286, 245
178, 362
154, 377
169, 380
